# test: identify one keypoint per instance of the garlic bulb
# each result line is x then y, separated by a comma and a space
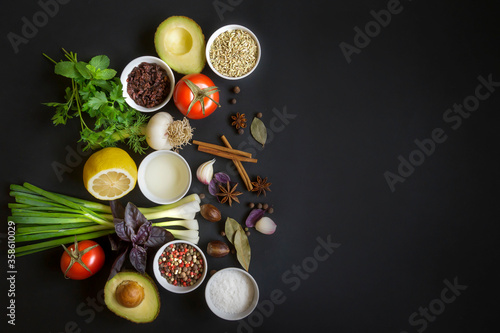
156, 131
205, 172
266, 226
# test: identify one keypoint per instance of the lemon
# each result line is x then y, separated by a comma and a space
110, 173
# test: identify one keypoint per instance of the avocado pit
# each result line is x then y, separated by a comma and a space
129, 294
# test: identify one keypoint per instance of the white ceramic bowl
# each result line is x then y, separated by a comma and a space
174, 181
134, 63
170, 287
220, 31
223, 314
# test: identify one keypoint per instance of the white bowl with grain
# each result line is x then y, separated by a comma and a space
233, 52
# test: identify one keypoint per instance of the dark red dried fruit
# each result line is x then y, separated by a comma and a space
148, 85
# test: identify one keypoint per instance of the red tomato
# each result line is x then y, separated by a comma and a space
200, 89
87, 253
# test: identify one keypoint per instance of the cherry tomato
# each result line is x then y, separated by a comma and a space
196, 96
76, 257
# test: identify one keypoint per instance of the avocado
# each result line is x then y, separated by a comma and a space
179, 41
133, 296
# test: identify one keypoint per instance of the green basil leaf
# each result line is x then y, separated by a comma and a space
105, 74
81, 67
67, 69
100, 62
259, 131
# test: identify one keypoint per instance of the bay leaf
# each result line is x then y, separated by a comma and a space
242, 246
259, 131
231, 227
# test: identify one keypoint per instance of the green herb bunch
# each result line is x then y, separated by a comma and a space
97, 93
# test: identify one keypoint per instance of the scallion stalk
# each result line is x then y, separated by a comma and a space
40, 246
50, 219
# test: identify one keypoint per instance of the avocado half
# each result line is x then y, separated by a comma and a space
179, 41
121, 297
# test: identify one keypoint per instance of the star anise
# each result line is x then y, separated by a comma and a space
229, 194
261, 186
239, 120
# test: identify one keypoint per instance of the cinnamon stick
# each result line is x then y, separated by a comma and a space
224, 149
225, 154
239, 167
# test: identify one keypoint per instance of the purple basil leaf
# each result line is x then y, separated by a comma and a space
138, 256
133, 217
117, 209
222, 177
142, 234
123, 231
114, 241
118, 264
158, 236
253, 217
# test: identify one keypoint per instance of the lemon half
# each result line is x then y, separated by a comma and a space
110, 173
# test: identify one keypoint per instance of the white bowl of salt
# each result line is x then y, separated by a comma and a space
232, 293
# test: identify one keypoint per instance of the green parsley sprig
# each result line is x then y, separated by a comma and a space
97, 94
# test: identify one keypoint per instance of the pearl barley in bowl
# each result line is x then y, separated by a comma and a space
233, 52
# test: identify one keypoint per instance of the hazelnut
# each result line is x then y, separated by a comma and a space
217, 249
210, 213
129, 294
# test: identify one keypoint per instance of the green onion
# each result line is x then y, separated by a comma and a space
48, 219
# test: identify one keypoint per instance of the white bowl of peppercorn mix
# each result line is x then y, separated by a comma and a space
148, 83
233, 52
180, 266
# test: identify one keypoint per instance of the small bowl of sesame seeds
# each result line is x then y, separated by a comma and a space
233, 52
180, 266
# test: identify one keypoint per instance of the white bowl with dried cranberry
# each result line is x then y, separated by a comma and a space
233, 52
180, 266
148, 83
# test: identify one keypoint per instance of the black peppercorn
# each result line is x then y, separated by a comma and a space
232, 101
236, 90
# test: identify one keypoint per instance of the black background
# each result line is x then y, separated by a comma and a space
347, 124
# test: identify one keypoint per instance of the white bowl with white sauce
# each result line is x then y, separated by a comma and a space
232, 293
164, 177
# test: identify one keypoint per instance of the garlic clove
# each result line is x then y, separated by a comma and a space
266, 226
156, 130
205, 172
